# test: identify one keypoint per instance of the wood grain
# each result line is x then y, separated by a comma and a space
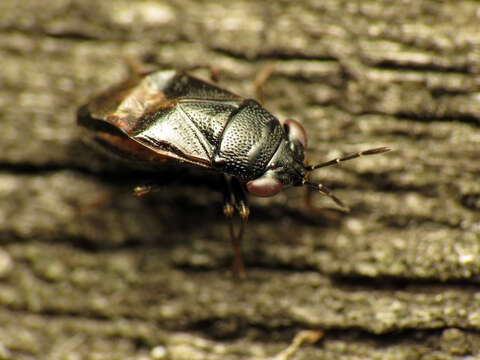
88, 270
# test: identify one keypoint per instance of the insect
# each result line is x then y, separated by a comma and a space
171, 115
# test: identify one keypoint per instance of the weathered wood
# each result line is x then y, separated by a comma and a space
86, 269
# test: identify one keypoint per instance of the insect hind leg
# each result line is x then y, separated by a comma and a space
235, 200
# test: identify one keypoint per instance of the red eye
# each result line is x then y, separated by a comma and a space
296, 132
264, 186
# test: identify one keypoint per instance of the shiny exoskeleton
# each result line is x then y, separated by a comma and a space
173, 115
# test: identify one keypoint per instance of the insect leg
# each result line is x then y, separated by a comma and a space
244, 211
143, 189
159, 182
235, 199
136, 67
260, 78
214, 74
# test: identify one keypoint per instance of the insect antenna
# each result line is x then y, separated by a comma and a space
322, 189
349, 157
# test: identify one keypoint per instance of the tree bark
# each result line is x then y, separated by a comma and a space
88, 270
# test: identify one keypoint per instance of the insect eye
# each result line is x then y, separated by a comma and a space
264, 186
296, 132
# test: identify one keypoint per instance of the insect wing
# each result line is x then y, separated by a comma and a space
171, 113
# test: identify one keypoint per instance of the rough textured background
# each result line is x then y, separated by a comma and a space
89, 271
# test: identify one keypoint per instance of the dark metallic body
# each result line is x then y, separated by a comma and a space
178, 116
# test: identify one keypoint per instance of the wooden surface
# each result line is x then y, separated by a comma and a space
89, 271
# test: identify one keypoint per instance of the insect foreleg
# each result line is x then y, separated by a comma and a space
235, 200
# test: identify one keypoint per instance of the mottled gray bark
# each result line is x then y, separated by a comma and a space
88, 270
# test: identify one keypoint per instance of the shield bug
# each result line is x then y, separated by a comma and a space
171, 115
